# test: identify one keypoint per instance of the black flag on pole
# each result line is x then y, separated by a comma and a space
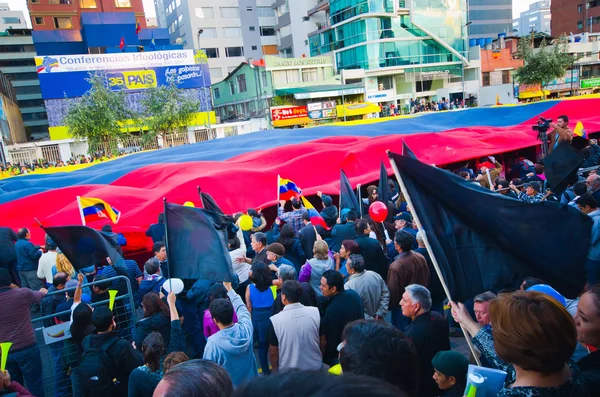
83, 246
560, 167
197, 241
210, 204
383, 190
484, 241
347, 197
407, 152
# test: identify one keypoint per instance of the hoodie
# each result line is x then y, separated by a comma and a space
231, 347
152, 283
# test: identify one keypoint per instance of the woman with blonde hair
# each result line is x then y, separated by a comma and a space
64, 265
313, 270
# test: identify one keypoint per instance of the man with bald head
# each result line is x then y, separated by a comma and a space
593, 185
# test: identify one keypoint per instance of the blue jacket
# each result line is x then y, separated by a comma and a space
27, 255
150, 284
231, 347
283, 261
594, 252
156, 232
340, 233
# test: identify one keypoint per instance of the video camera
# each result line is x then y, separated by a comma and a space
542, 128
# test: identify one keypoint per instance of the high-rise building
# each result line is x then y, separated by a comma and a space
488, 18
536, 18
11, 19
294, 25
230, 31
575, 17
17, 54
66, 14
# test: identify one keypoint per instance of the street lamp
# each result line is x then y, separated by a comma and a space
341, 78
203, 60
256, 84
462, 32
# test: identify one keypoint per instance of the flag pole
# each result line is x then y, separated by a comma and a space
167, 243
200, 195
428, 246
80, 210
360, 203
278, 181
340, 198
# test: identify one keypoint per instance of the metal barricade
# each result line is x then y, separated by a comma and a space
59, 353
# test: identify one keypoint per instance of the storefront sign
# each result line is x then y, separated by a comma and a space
322, 110
277, 62
590, 83
381, 96
569, 81
288, 113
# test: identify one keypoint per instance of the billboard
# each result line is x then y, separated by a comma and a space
322, 110
288, 113
67, 76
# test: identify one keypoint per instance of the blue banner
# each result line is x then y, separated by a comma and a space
76, 84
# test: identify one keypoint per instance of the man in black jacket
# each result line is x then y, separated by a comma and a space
308, 236
343, 231
8, 255
370, 249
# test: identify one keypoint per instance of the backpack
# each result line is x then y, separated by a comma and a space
97, 372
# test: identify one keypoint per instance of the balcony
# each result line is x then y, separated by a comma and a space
321, 27
403, 7
323, 5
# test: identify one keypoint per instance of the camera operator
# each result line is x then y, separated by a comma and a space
560, 133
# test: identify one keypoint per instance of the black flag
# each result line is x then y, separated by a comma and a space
383, 190
561, 167
407, 152
83, 246
197, 241
347, 197
484, 241
210, 203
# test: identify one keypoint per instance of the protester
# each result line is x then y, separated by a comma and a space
435, 285
100, 289
144, 379
172, 359
292, 245
593, 186
450, 372
24, 361
294, 333
28, 256
237, 253
587, 204
47, 262
381, 351
579, 189
560, 133
534, 353
309, 235
313, 270
107, 359
231, 347
217, 291
370, 249
344, 307
428, 331
157, 230
294, 218
587, 323
330, 211
409, 268
8, 255
195, 378
153, 281
285, 273
275, 256
343, 231
156, 319
259, 246
481, 307
259, 299
160, 259
50, 302
259, 223
531, 194
402, 221
369, 285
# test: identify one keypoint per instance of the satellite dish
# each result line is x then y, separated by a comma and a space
179, 40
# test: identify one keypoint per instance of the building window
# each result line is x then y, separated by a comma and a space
35, 1
254, 48
205, 12
63, 23
265, 12
310, 75
580, 25
231, 33
249, 8
38, 20
252, 28
241, 80
11, 20
123, 3
217, 93
506, 77
87, 4
486, 79
267, 31
212, 52
579, 8
232, 87
230, 12
208, 33
264, 79
234, 52
216, 73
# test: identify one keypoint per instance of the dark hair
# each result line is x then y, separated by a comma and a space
218, 291
464, 174
161, 217
102, 285
102, 318
292, 290
81, 326
59, 278
502, 183
296, 204
587, 200
107, 228
261, 276
305, 217
565, 118
351, 216
360, 226
351, 246
287, 236
22, 233
316, 384
334, 279
198, 378
152, 304
153, 349
405, 240
531, 281
381, 351
221, 310
151, 267
174, 358
357, 262
539, 169
234, 243
260, 237
580, 188
157, 246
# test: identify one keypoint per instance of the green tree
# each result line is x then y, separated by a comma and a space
167, 109
545, 64
99, 115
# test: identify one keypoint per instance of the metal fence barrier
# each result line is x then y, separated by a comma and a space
59, 353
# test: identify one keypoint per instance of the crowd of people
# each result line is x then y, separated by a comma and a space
305, 300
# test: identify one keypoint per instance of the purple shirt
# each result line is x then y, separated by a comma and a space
15, 317
210, 328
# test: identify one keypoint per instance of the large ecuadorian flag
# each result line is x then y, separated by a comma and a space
94, 209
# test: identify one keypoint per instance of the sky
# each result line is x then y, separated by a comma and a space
16, 5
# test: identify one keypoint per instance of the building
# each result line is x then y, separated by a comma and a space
416, 52
292, 17
151, 22
17, 62
12, 129
575, 17
60, 15
229, 31
537, 19
11, 19
489, 18
245, 93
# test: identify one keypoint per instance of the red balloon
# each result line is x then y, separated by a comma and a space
378, 211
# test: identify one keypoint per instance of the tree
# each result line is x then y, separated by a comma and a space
544, 64
167, 109
99, 115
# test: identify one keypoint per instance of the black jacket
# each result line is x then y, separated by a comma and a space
340, 233
8, 238
50, 303
330, 215
435, 285
156, 232
158, 322
308, 238
371, 250
590, 367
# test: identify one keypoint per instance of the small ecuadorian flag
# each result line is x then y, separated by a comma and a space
93, 209
288, 189
580, 130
